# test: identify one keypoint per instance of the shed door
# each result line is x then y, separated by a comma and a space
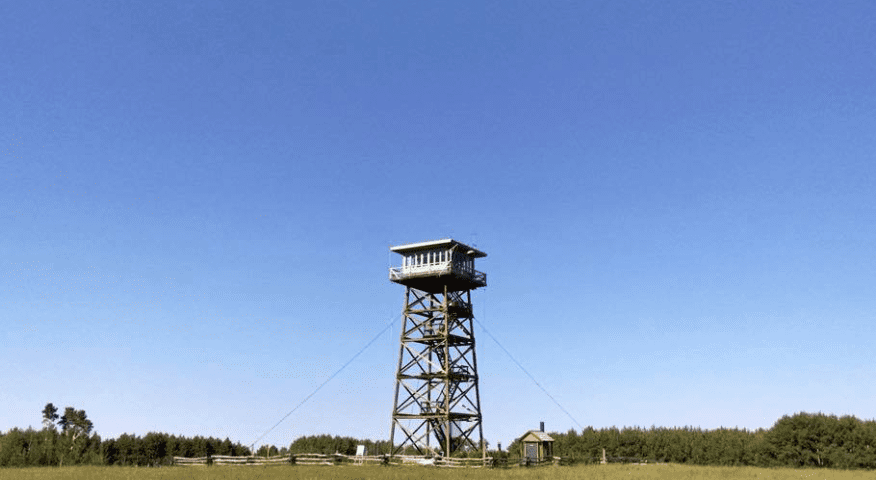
532, 451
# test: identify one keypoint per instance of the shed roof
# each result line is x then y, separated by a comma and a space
536, 436
446, 242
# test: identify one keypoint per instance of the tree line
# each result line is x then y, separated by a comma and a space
69, 439
328, 444
799, 440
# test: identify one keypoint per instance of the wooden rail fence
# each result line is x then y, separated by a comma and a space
190, 461
335, 459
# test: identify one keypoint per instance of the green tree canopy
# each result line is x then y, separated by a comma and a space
75, 423
50, 415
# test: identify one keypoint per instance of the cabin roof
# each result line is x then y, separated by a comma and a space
536, 435
432, 244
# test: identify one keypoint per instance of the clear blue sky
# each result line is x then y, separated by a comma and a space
197, 204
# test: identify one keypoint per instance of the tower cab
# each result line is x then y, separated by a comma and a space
429, 266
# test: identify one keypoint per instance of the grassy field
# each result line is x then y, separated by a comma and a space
599, 472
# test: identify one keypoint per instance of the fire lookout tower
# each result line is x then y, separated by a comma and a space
436, 389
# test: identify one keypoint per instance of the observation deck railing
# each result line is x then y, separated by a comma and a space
458, 269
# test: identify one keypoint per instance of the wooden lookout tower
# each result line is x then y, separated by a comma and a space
436, 388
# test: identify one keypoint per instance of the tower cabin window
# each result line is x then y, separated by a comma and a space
463, 262
436, 258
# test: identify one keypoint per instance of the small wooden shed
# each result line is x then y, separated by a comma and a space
536, 446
